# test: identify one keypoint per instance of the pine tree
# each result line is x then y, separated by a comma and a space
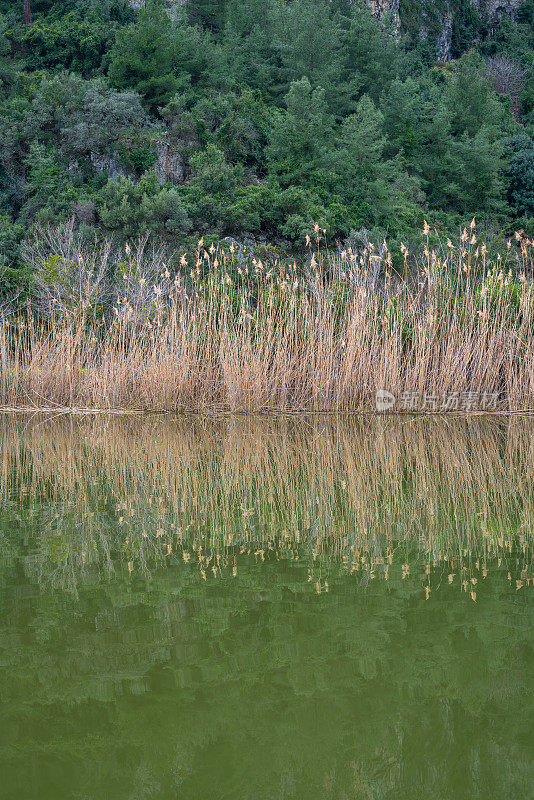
299, 135
143, 58
209, 14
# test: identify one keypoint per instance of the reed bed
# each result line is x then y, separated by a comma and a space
438, 500
322, 336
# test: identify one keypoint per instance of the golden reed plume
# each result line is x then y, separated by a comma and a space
325, 336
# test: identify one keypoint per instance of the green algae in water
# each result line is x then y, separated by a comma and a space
311, 607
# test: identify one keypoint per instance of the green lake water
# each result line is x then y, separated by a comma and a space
273, 608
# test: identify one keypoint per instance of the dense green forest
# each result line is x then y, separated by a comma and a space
256, 119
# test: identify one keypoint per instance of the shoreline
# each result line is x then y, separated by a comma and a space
81, 411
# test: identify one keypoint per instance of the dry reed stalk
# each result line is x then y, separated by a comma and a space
272, 340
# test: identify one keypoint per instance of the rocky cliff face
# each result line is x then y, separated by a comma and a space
169, 165
424, 18
171, 5
439, 19
384, 8
444, 38
492, 11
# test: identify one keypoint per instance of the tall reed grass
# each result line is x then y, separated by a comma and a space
322, 336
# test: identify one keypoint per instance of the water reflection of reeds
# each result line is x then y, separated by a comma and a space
443, 500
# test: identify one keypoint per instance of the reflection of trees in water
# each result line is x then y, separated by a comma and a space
375, 496
256, 683
157, 684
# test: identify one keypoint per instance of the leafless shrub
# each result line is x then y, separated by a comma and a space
7, 299
85, 212
507, 77
67, 274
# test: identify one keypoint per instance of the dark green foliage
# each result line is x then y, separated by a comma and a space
466, 27
521, 174
527, 101
474, 167
143, 207
143, 57
238, 124
374, 188
299, 137
212, 189
156, 58
372, 56
10, 236
261, 117
74, 40
209, 14
49, 192
468, 97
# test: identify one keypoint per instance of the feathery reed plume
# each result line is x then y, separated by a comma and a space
226, 336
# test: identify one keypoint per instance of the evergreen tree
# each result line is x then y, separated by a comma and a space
402, 106
308, 42
373, 187
474, 167
299, 136
468, 97
209, 14
248, 54
143, 58
370, 52
521, 174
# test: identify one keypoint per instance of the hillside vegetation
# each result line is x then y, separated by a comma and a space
256, 119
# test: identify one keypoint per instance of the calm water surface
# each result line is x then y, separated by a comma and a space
264, 609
